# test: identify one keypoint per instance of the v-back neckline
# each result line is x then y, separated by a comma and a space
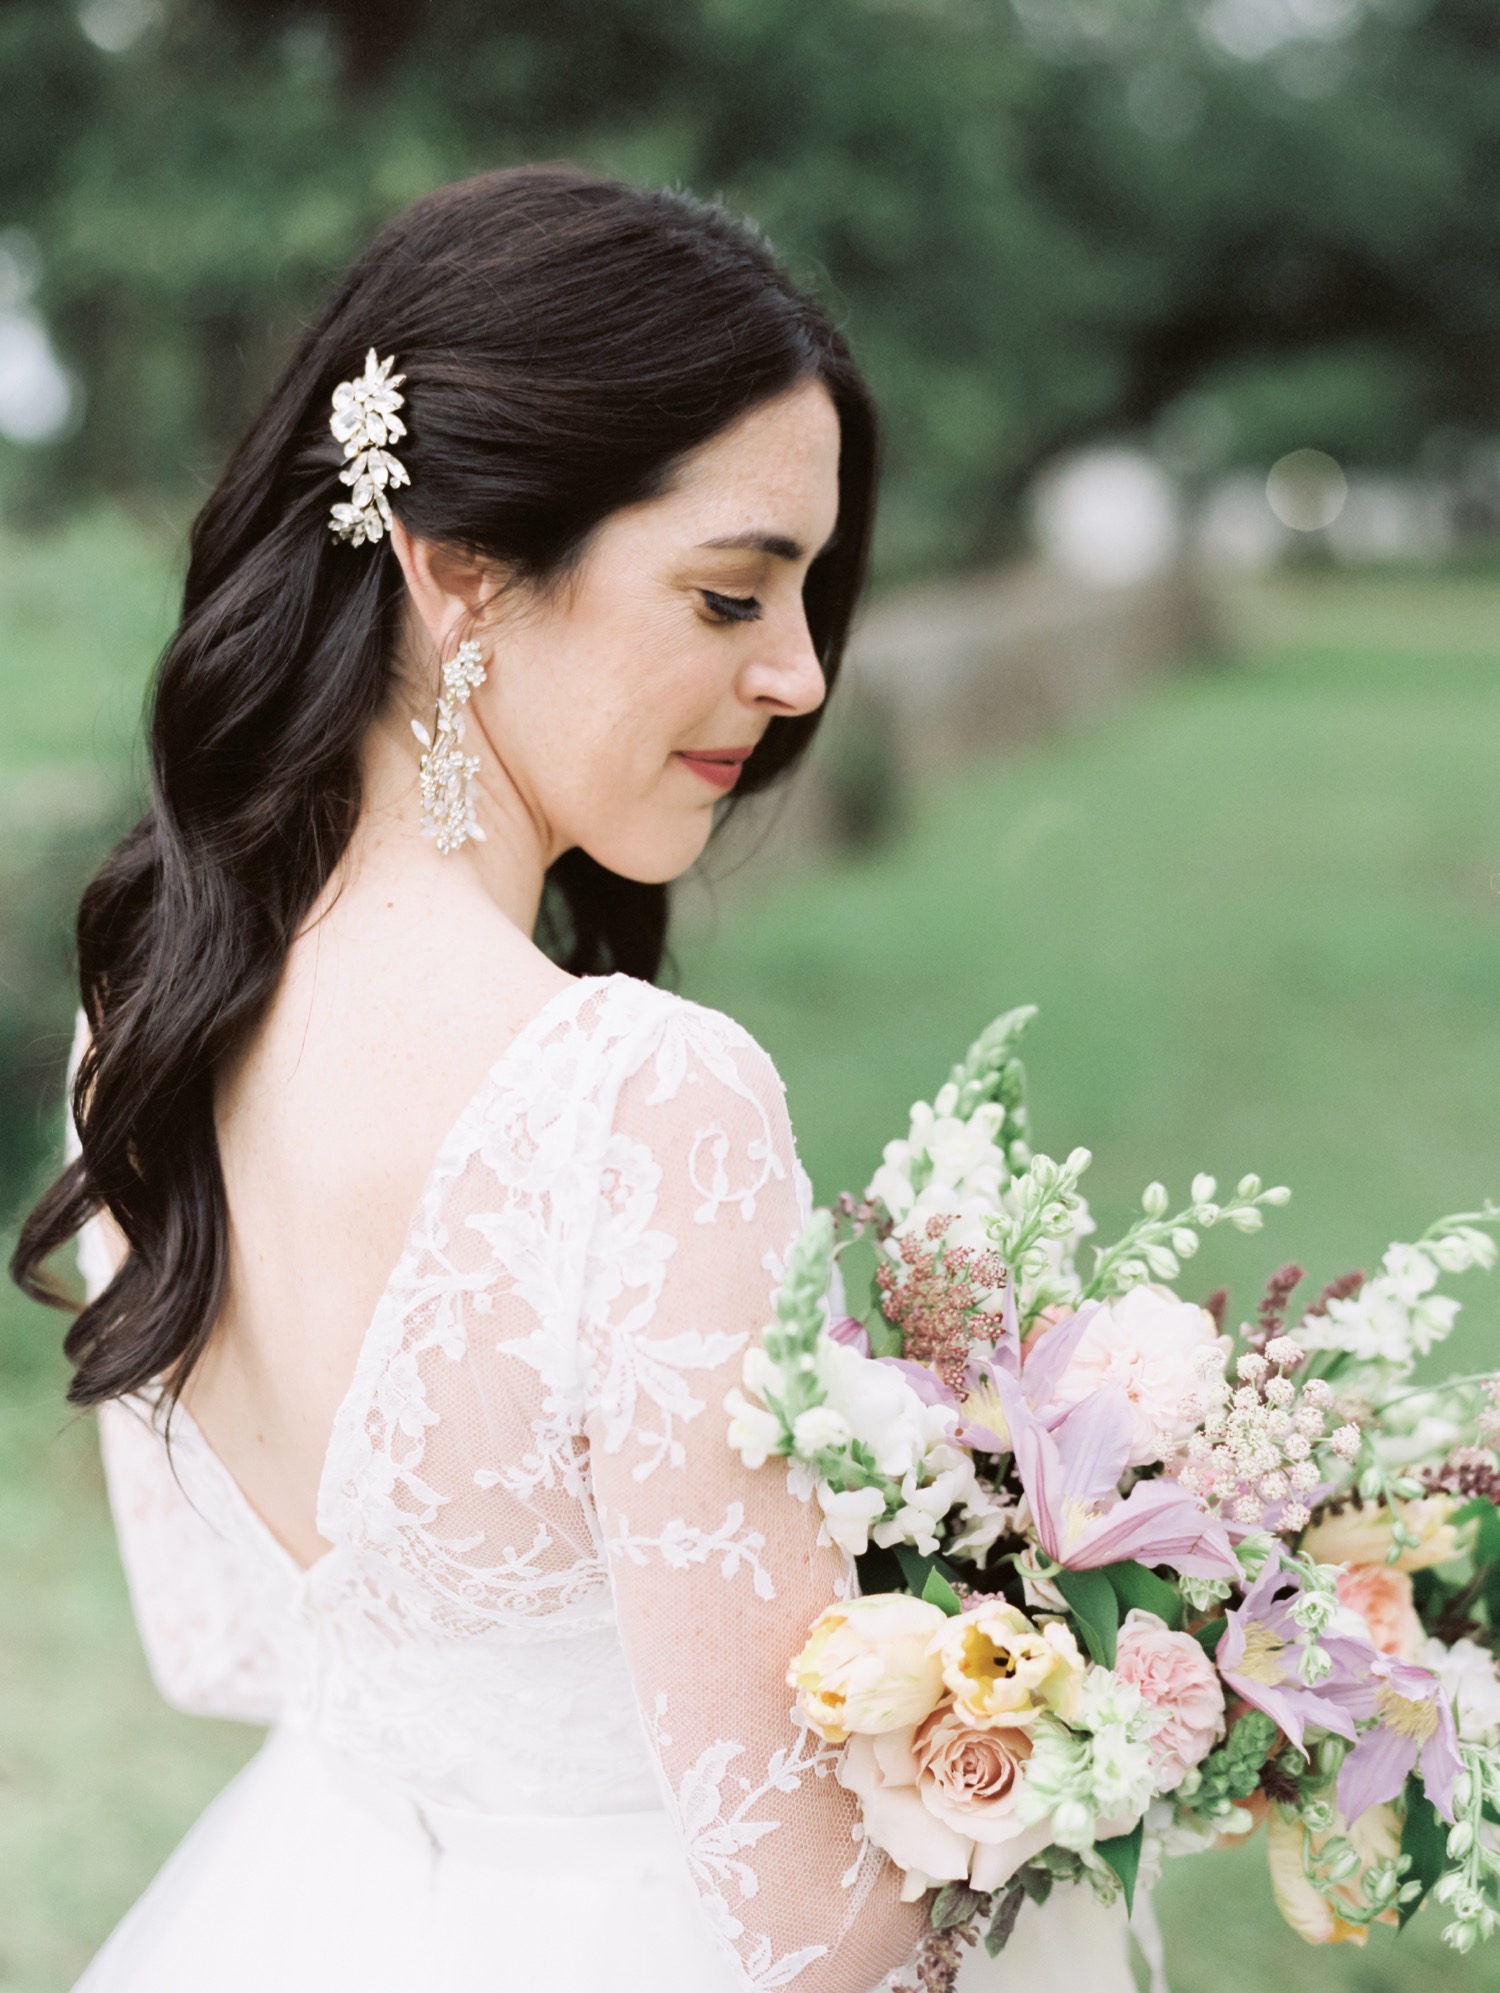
534, 1027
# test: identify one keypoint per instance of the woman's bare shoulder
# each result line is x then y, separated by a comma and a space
391, 1010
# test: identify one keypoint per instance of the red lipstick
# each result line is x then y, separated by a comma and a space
719, 766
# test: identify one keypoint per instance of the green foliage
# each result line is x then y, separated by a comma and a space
1039, 220
1093, 1602
937, 1591
1123, 1853
1138, 1589
1424, 1841
1208, 1637
1232, 1772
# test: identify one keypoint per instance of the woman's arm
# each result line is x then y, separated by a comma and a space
717, 1571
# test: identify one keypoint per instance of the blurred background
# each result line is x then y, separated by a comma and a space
1176, 710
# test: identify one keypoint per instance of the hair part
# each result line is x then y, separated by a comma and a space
566, 342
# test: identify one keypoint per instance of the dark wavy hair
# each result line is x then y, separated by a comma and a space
566, 341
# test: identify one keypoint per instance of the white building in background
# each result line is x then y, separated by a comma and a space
1110, 517
1249, 521
38, 398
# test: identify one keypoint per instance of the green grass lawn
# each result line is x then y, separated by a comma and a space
1260, 909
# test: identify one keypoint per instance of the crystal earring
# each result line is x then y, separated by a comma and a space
447, 773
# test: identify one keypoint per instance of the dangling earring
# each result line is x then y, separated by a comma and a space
447, 772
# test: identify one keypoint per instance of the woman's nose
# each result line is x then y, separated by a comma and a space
787, 675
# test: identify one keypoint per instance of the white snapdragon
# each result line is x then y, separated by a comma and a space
754, 1433
820, 1428
946, 1165
880, 1409
1397, 1317
849, 1514
984, 1519
944, 1484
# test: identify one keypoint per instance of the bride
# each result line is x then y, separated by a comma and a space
419, 1255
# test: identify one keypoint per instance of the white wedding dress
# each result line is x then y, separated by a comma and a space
529, 1726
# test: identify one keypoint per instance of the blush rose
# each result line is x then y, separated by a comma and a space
1150, 1344
942, 1800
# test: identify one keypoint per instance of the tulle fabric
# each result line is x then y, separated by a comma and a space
303, 1876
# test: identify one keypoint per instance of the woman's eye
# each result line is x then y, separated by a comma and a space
730, 608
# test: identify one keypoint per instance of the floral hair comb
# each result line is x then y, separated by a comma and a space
364, 420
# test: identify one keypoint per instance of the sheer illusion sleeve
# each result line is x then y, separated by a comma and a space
717, 1571
205, 1643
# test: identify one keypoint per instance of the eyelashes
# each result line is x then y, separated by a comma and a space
730, 608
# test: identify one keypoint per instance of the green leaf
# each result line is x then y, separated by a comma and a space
997, 1937
1091, 1599
915, 1568
1425, 1839
885, 1339
1208, 1637
1139, 1589
1123, 1854
1487, 1537
1037, 1882
937, 1591
955, 1903
920, 1572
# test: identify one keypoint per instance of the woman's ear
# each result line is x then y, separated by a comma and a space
447, 590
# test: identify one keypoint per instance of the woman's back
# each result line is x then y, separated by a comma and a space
398, 995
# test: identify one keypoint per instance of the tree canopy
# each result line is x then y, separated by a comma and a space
1041, 220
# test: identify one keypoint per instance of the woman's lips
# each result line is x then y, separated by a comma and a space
720, 768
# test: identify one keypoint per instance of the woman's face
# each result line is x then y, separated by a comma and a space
621, 708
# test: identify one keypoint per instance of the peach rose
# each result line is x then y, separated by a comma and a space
1003, 1670
869, 1665
1381, 1595
942, 1801
1179, 1681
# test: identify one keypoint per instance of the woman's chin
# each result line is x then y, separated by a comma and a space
658, 861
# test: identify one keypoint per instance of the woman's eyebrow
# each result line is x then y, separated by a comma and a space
775, 544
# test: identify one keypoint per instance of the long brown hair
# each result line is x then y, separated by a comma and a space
566, 341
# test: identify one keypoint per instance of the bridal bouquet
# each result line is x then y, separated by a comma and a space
1129, 1583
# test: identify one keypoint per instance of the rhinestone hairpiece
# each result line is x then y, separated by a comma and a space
447, 773
364, 420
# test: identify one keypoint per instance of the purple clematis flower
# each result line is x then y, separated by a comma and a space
982, 1423
1071, 1472
1259, 1656
1414, 1726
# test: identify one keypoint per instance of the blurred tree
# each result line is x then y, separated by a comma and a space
1041, 218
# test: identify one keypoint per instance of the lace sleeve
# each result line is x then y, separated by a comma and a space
717, 1571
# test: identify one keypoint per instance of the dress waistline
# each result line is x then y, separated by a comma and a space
518, 1841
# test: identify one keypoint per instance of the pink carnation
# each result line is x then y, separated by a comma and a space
1381, 1595
1179, 1681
